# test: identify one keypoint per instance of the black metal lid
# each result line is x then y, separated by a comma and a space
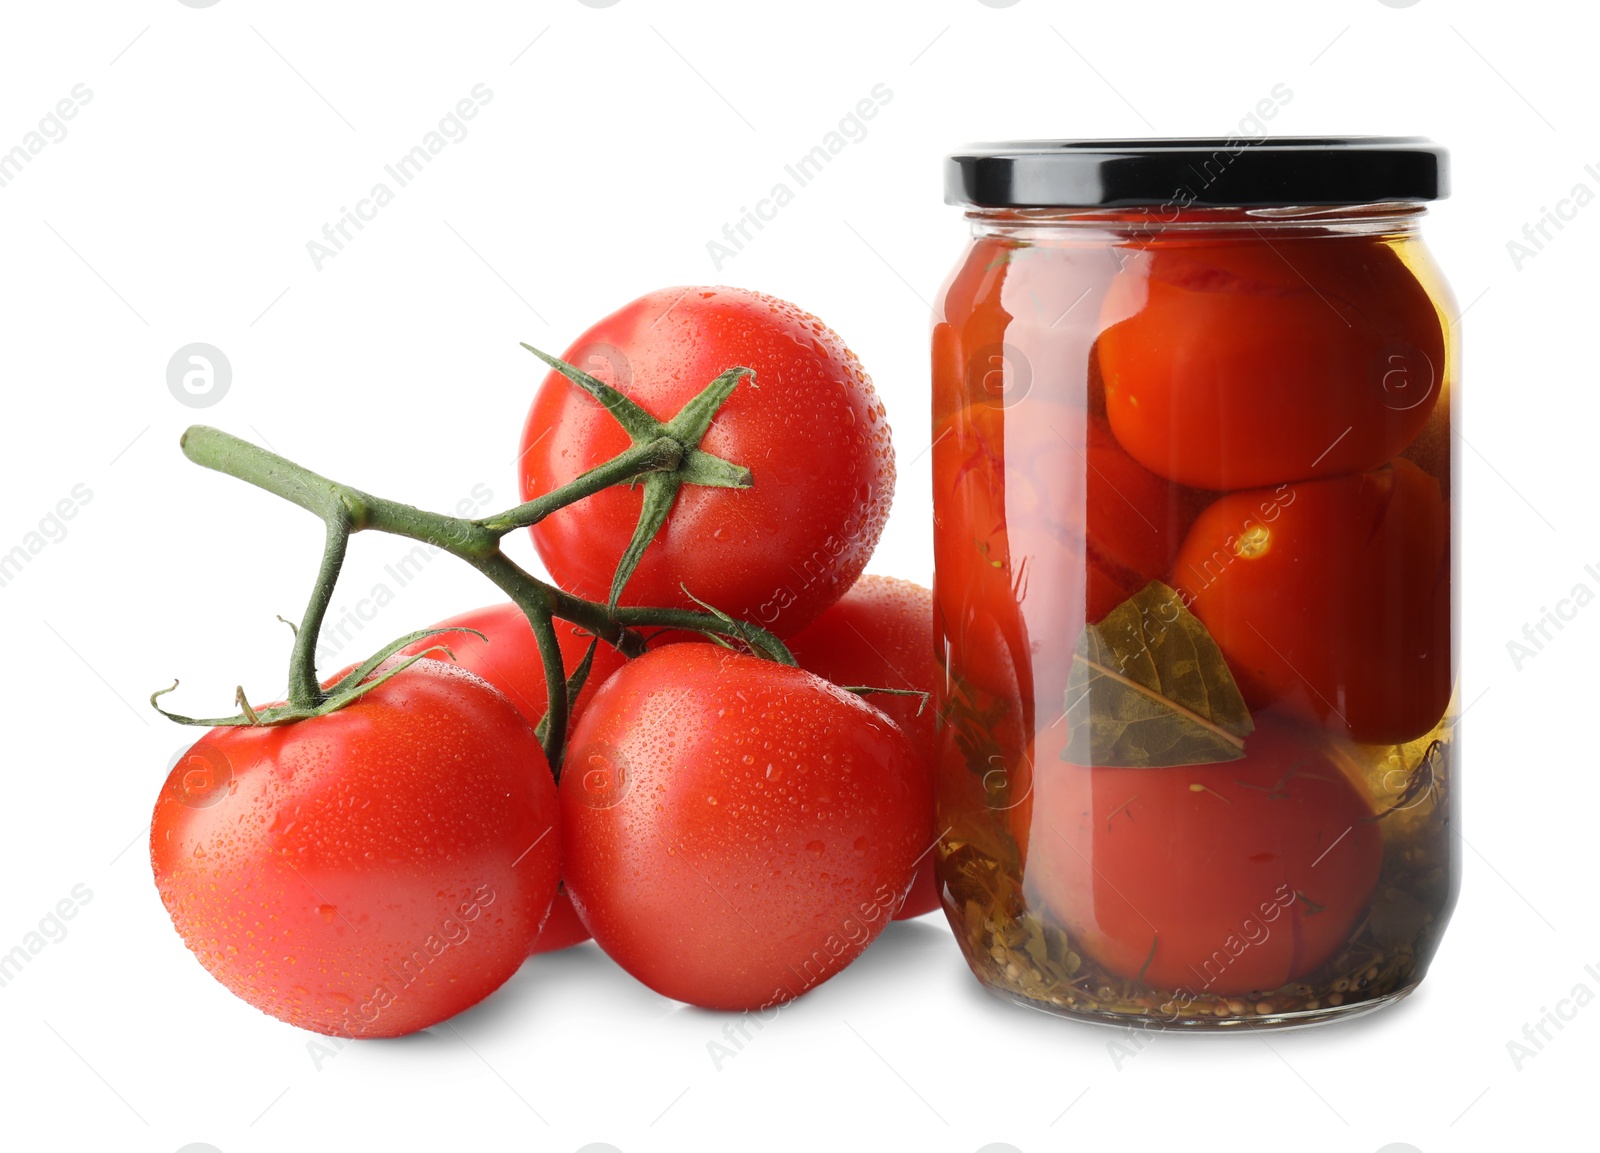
1198, 172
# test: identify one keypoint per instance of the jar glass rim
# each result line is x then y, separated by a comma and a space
1396, 216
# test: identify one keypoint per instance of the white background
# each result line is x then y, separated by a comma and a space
218, 141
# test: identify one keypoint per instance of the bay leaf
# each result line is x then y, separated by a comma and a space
1149, 688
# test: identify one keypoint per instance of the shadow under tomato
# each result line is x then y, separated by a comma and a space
579, 975
433, 1037
903, 951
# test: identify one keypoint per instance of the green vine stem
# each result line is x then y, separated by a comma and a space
662, 453
304, 691
669, 451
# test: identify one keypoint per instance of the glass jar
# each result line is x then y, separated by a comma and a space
1196, 571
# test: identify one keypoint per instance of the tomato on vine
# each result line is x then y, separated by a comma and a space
775, 546
497, 643
367, 872
737, 830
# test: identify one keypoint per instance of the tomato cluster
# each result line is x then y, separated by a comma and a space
1263, 426
731, 829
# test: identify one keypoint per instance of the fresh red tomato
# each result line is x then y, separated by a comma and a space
1331, 599
563, 928
737, 831
1043, 522
881, 634
510, 661
1232, 363
809, 427
370, 872
1226, 879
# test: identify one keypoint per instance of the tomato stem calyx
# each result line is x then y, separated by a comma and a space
347, 690
756, 638
689, 465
